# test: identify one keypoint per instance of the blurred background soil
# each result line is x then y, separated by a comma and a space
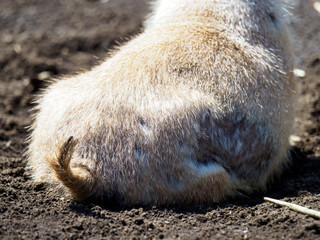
42, 39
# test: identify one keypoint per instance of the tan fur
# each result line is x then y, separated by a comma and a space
198, 106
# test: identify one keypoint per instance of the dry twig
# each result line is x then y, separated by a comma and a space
295, 207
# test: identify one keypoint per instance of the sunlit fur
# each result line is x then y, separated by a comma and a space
197, 107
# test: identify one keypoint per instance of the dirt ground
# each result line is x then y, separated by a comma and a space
42, 39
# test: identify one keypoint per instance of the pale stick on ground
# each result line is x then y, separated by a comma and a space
295, 207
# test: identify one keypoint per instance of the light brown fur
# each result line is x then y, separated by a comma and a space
198, 106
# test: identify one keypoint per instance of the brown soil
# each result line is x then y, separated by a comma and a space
49, 38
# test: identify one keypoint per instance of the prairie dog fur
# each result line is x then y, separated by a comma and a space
197, 107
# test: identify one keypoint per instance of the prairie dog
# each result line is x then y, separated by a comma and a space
197, 107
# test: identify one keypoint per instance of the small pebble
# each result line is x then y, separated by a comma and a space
44, 75
316, 6
299, 72
294, 139
17, 48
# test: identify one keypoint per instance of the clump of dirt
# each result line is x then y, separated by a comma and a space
42, 39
